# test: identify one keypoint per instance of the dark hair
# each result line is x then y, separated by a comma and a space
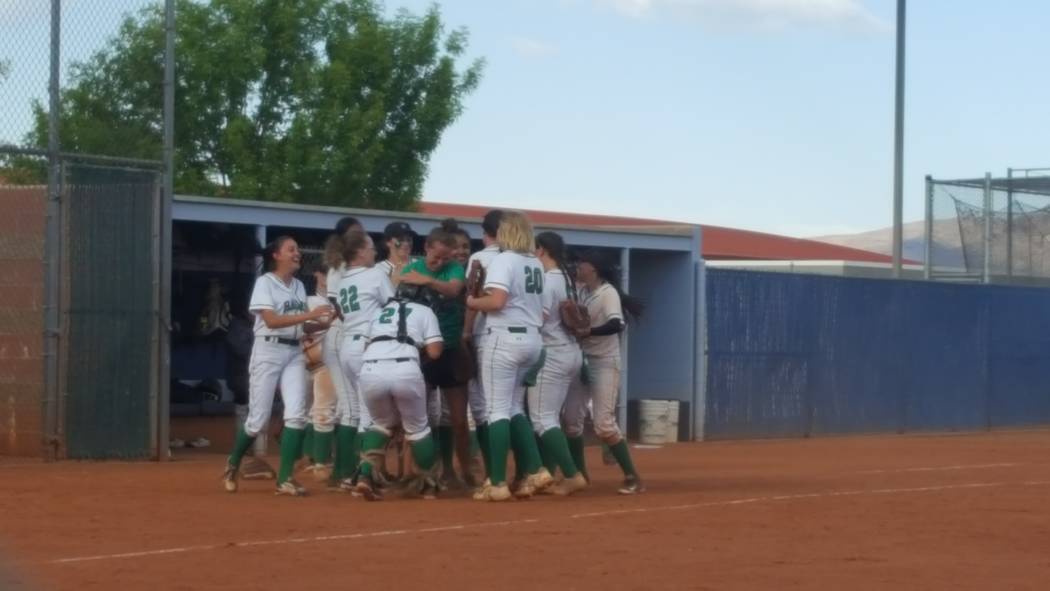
554, 245
451, 226
271, 249
609, 271
345, 224
490, 223
444, 234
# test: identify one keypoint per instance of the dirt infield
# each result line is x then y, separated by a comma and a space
895, 512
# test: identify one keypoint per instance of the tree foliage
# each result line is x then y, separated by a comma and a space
313, 101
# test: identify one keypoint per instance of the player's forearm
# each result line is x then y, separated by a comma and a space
275, 321
614, 326
492, 302
449, 289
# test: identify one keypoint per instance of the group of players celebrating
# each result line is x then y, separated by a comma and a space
397, 347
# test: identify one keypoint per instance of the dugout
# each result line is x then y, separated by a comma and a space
214, 265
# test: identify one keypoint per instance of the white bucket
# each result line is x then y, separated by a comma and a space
654, 417
672, 422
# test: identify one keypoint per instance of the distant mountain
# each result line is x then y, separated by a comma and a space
947, 248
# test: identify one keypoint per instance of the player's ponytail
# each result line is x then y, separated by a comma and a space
609, 272
554, 245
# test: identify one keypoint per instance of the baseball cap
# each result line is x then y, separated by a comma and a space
399, 230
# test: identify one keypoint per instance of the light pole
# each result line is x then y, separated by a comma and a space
898, 148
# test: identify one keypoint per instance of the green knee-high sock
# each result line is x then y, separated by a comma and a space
578, 457
322, 446
445, 444
425, 452
291, 449
474, 445
523, 441
344, 449
486, 452
622, 453
557, 447
549, 462
499, 445
308, 443
371, 441
241, 445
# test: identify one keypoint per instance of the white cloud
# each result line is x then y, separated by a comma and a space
758, 14
533, 48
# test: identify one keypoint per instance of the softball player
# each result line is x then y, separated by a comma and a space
398, 238
394, 390
360, 291
513, 302
332, 418
318, 450
560, 368
279, 304
605, 304
474, 329
447, 435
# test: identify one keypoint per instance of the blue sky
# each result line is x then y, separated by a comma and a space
773, 115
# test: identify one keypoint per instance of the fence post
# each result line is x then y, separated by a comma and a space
987, 275
1009, 222
699, 339
621, 408
164, 268
928, 241
52, 245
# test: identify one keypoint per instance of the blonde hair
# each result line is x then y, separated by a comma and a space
515, 233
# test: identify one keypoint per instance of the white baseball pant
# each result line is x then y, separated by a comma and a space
603, 392
329, 383
395, 393
506, 358
547, 397
356, 413
270, 364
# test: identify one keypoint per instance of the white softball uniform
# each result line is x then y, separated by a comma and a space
475, 395
327, 415
512, 343
277, 357
603, 364
391, 380
360, 292
563, 361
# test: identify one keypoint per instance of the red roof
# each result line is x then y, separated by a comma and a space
719, 243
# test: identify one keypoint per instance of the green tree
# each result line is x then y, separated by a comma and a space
313, 101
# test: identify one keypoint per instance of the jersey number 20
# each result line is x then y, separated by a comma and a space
348, 300
533, 280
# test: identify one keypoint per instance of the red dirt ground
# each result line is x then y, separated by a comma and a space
889, 512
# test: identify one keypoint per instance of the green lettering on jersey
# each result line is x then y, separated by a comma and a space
293, 306
387, 317
533, 280
348, 300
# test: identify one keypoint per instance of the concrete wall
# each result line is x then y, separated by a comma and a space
21, 319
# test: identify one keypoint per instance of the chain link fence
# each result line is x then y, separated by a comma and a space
81, 251
991, 229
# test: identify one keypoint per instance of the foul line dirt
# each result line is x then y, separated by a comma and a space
496, 524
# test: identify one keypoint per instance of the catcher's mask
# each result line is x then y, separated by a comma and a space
416, 293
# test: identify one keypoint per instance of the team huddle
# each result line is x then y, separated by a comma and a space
509, 359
